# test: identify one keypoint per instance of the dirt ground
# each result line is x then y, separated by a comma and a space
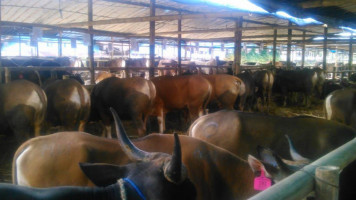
174, 123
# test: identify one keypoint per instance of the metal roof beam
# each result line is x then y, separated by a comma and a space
157, 18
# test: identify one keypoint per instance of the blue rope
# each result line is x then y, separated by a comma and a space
135, 187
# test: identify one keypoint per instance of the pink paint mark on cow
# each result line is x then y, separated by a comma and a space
262, 182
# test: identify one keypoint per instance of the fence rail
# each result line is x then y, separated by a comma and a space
302, 182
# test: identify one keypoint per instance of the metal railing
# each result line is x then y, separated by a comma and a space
302, 182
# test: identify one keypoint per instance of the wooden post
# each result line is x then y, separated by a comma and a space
179, 47
60, 44
289, 46
327, 182
303, 49
325, 47
91, 43
237, 48
350, 54
274, 47
152, 38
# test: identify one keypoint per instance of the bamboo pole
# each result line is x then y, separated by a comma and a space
237, 48
91, 43
289, 46
152, 38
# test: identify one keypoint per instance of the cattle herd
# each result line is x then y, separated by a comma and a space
228, 135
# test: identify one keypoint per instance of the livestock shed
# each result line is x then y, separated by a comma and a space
229, 76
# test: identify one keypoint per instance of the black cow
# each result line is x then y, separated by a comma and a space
264, 81
296, 81
246, 101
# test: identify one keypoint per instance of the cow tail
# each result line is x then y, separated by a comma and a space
39, 78
18, 152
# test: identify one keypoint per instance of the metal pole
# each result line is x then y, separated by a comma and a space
60, 44
7, 75
350, 54
327, 183
91, 43
20, 45
303, 49
179, 47
289, 46
325, 47
152, 38
274, 48
112, 48
237, 48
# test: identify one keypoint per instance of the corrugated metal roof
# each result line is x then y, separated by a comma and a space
56, 12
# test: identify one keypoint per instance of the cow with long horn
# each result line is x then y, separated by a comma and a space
151, 176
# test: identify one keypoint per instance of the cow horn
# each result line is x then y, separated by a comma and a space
294, 154
130, 149
174, 170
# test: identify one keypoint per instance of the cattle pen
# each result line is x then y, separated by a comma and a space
170, 66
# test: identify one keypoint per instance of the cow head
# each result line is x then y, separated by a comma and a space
156, 175
273, 166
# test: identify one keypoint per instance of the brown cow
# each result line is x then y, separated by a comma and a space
167, 63
240, 132
68, 105
215, 172
226, 89
340, 106
190, 92
23, 109
131, 96
155, 175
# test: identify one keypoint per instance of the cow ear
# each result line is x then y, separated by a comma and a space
257, 165
103, 174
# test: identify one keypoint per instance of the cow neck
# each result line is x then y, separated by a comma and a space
123, 190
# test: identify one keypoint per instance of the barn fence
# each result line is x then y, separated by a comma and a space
298, 185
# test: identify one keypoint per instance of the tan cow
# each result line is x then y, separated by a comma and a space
215, 172
226, 89
190, 92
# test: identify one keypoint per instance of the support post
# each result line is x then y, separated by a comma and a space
327, 182
325, 47
20, 45
0, 48
152, 38
91, 43
350, 54
179, 47
60, 44
289, 46
237, 48
7, 75
303, 49
274, 47
112, 48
